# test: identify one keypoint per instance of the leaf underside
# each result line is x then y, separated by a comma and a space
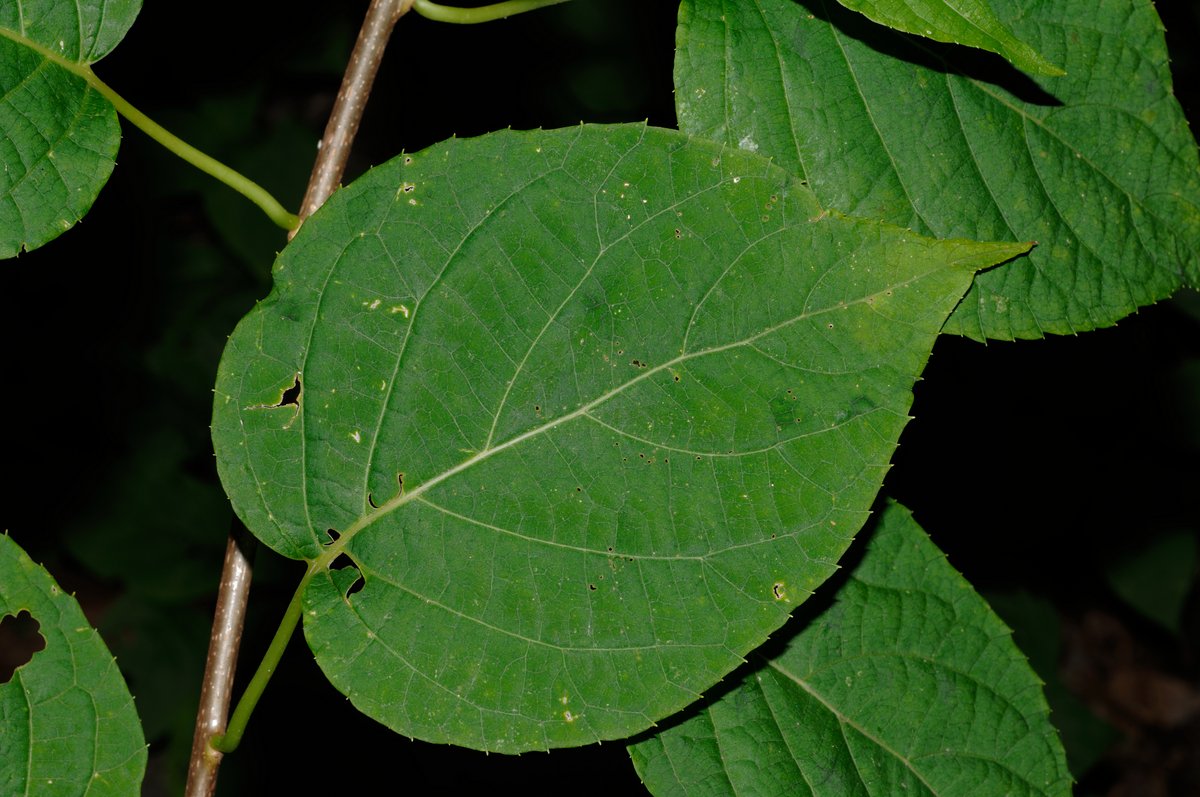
590, 411
67, 720
1099, 167
906, 684
58, 136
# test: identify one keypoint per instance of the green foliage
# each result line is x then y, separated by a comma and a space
964, 716
1098, 167
60, 134
67, 721
1036, 631
565, 424
972, 22
656, 387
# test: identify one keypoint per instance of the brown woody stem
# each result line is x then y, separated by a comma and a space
230, 613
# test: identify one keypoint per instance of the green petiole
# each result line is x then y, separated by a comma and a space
205, 163
229, 741
471, 16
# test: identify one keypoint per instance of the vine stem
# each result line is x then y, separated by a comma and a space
351, 101
228, 620
213, 736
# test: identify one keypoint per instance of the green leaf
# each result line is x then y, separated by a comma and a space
1099, 166
906, 684
58, 136
67, 721
1037, 631
969, 22
589, 410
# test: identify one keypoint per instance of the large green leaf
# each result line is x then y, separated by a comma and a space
906, 684
67, 721
970, 22
1099, 166
58, 136
591, 410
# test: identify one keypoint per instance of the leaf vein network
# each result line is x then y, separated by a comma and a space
521, 637
376, 639
419, 301
783, 82
330, 551
302, 412
551, 543
697, 452
867, 109
845, 721
602, 250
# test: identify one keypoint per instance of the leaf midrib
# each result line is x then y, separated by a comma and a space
81, 68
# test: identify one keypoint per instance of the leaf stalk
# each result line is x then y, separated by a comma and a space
205, 163
228, 742
473, 16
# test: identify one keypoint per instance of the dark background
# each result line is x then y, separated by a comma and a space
1036, 466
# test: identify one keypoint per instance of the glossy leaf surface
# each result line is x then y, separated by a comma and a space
906, 684
1098, 166
58, 136
67, 720
969, 22
589, 410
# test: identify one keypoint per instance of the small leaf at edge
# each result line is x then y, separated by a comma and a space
906, 684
